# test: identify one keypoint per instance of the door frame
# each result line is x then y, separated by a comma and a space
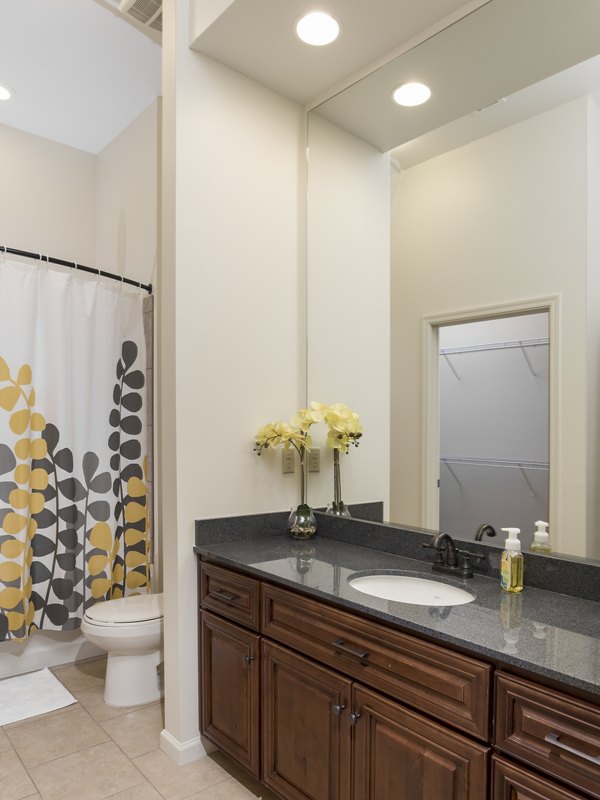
430, 423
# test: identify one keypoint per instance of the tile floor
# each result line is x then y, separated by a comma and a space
90, 751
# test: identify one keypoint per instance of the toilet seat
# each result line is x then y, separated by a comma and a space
126, 611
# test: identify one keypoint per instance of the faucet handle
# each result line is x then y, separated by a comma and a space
468, 554
466, 566
439, 558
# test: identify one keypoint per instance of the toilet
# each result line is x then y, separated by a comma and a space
130, 629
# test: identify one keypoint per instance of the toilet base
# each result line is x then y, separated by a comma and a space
132, 680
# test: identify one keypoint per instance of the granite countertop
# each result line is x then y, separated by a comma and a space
546, 633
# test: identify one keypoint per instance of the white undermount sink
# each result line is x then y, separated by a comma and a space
411, 589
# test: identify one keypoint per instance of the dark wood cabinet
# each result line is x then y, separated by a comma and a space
306, 741
400, 755
324, 704
511, 782
230, 686
447, 685
550, 731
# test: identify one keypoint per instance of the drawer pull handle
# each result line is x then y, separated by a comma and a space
552, 738
338, 708
226, 596
339, 644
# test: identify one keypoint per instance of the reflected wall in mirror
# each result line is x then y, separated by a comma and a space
478, 214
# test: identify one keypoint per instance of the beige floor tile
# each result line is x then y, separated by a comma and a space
143, 791
177, 783
51, 737
138, 732
92, 774
85, 675
241, 776
93, 702
229, 789
15, 783
4, 741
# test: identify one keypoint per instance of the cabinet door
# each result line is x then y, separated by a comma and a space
306, 734
400, 755
230, 681
512, 782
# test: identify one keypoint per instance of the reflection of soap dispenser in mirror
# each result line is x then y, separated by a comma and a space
511, 615
541, 539
511, 566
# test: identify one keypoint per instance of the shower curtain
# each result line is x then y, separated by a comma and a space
74, 511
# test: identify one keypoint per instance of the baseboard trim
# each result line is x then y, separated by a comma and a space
184, 752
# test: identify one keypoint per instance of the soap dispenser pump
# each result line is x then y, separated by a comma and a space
511, 567
541, 539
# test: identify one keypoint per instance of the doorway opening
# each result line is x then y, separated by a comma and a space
493, 443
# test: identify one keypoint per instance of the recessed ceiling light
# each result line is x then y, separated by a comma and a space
317, 28
411, 94
5, 93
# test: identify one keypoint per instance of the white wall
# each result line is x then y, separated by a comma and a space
593, 325
500, 220
230, 323
47, 197
348, 304
127, 207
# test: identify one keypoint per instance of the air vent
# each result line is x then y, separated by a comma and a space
146, 12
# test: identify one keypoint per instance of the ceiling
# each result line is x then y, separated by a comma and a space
488, 55
79, 71
490, 63
256, 38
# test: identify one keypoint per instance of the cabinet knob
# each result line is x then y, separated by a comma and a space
248, 659
338, 708
354, 717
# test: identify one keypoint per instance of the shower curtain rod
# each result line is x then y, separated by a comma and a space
76, 265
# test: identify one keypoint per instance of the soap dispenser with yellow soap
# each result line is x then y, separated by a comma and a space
541, 538
511, 566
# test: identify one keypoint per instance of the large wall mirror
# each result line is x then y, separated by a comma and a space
476, 207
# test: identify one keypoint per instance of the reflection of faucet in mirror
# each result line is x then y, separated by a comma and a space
484, 528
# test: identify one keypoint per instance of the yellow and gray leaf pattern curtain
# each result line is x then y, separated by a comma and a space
74, 517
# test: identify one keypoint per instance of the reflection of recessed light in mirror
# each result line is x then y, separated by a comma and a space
5, 93
317, 28
411, 94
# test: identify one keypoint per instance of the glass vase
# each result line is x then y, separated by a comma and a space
302, 523
337, 508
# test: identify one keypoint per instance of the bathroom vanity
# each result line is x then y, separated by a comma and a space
325, 693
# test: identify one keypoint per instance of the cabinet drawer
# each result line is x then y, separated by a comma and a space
230, 594
449, 686
549, 730
511, 782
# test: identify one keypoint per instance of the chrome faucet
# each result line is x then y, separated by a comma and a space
447, 557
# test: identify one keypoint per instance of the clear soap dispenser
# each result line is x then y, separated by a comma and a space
511, 567
541, 539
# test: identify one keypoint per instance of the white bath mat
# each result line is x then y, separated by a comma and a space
29, 695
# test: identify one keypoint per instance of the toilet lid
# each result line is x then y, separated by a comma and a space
138, 608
